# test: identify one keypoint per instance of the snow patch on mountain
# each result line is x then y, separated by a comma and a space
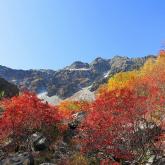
79, 69
85, 94
54, 100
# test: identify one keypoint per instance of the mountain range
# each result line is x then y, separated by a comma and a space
66, 82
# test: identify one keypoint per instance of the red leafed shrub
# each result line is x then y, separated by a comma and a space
108, 162
111, 123
26, 114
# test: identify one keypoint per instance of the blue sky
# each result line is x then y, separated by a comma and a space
54, 33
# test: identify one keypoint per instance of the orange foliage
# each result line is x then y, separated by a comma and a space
68, 108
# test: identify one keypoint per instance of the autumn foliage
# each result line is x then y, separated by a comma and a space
111, 123
125, 122
26, 114
128, 114
68, 108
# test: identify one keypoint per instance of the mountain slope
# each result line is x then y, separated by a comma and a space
66, 82
9, 89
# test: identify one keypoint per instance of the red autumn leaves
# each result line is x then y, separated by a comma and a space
129, 101
112, 119
24, 114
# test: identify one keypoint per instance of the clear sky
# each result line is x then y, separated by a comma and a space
54, 33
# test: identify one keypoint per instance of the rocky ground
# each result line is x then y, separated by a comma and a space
41, 151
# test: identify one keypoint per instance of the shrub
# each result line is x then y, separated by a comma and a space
26, 114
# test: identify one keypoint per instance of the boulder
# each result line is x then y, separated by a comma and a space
18, 159
159, 161
38, 142
79, 116
2, 155
63, 152
71, 131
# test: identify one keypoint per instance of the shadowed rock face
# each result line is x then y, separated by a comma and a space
73, 78
9, 89
100, 65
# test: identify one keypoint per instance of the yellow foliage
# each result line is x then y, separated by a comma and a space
161, 57
152, 69
69, 105
78, 159
122, 80
148, 67
67, 108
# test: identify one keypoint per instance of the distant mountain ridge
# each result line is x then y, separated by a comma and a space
65, 82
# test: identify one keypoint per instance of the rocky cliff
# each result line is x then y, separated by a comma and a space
65, 82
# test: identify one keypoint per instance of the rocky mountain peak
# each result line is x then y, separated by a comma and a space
66, 82
98, 60
78, 65
100, 65
117, 57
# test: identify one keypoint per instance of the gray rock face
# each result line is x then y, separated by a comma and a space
72, 125
158, 161
2, 155
67, 81
79, 116
18, 159
63, 152
100, 65
38, 142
